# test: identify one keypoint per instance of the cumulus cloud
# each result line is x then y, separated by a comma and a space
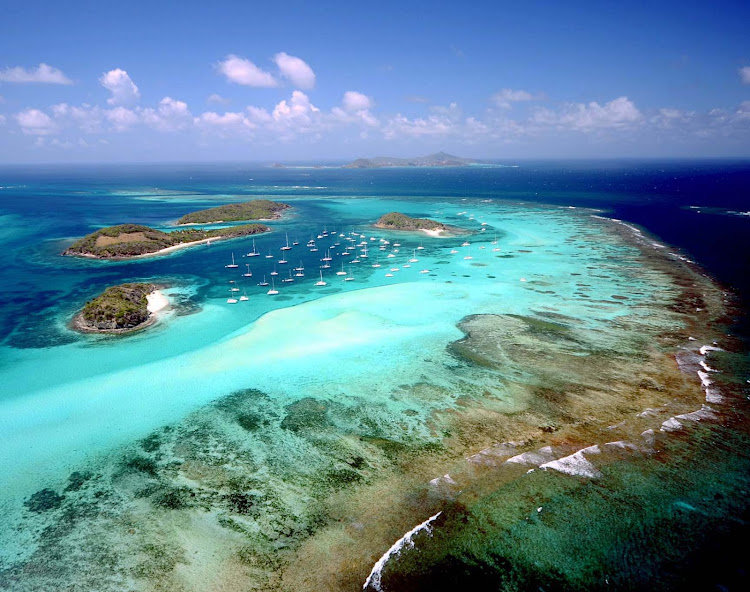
258, 115
244, 72
745, 74
298, 111
506, 97
296, 70
43, 73
355, 101
618, 113
355, 108
87, 117
170, 116
224, 125
123, 89
121, 118
34, 122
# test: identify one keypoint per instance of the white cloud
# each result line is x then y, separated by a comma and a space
121, 118
87, 117
34, 122
618, 113
745, 74
259, 115
170, 116
355, 101
355, 108
44, 74
2, 119
298, 112
244, 72
123, 89
296, 70
434, 125
507, 96
216, 99
227, 124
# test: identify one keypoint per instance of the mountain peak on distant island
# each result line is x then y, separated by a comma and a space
431, 160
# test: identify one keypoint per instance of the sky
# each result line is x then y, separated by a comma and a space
91, 81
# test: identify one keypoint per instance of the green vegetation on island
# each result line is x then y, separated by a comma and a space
118, 309
258, 209
431, 160
131, 240
398, 221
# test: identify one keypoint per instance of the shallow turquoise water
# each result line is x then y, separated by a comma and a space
73, 402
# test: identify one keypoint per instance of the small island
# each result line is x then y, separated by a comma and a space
121, 309
257, 209
399, 221
439, 159
126, 241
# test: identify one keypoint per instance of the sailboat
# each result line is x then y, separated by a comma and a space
231, 299
264, 282
244, 296
342, 272
494, 242
321, 282
254, 252
289, 279
420, 247
233, 264
328, 256
274, 272
269, 256
283, 261
287, 247
233, 288
414, 259
273, 291
377, 264
248, 273
350, 277
295, 242
425, 271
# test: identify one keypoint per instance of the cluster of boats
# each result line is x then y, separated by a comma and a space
355, 246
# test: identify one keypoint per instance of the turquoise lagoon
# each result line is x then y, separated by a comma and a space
286, 442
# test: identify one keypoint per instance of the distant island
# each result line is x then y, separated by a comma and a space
126, 241
120, 309
432, 160
258, 209
399, 221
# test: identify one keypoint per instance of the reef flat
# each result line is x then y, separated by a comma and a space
534, 383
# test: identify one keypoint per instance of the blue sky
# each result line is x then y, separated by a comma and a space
83, 81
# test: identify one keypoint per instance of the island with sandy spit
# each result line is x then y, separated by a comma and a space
439, 159
121, 309
127, 241
399, 221
257, 209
